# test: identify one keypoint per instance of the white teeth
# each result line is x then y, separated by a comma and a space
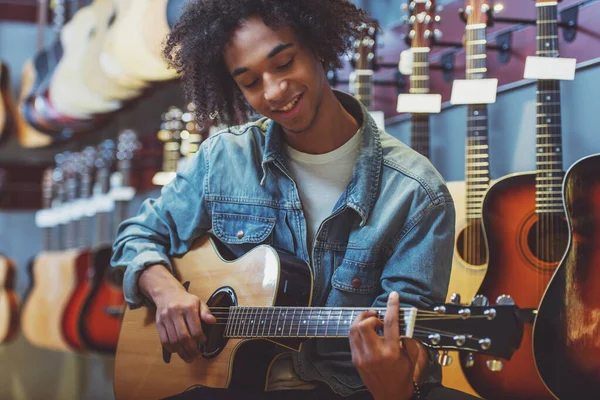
290, 106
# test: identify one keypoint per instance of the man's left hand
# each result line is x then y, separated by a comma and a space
385, 364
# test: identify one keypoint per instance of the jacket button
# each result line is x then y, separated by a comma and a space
240, 234
356, 283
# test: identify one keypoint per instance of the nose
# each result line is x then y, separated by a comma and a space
275, 88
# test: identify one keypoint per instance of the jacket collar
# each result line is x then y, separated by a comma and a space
361, 193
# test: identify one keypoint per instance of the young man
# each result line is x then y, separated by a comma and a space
315, 177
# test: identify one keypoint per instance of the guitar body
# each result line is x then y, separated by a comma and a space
93, 75
510, 220
6, 108
29, 136
111, 63
465, 279
68, 93
9, 303
53, 285
266, 278
98, 327
566, 334
71, 316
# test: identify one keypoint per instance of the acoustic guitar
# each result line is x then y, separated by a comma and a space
52, 278
566, 333
528, 233
72, 311
262, 305
9, 302
68, 92
103, 309
421, 33
361, 80
28, 136
94, 77
6, 108
145, 26
470, 260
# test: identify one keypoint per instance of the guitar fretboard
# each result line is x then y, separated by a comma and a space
362, 87
299, 322
549, 168
477, 164
419, 84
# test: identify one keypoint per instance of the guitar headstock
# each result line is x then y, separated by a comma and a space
365, 47
477, 12
495, 330
421, 20
126, 148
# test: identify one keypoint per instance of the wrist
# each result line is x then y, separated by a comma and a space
155, 281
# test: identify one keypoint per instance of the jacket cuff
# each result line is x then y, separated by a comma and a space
133, 296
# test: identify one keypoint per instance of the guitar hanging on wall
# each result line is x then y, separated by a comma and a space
566, 334
527, 230
361, 80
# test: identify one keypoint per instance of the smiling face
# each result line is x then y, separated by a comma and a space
279, 77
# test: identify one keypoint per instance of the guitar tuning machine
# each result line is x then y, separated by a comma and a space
455, 298
469, 360
480, 301
505, 300
495, 365
444, 359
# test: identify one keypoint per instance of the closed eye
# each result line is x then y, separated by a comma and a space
287, 64
253, 83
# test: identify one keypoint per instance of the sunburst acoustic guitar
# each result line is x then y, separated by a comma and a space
566, 333
527, 231
262, 302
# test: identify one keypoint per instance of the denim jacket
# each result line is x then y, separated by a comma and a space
391, 229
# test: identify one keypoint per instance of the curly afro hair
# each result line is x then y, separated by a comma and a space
196, 45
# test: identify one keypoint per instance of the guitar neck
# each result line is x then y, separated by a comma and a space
363, 87
477, 165
419, 84
299, 322
548, 128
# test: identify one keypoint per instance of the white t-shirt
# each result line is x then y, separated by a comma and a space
321, 179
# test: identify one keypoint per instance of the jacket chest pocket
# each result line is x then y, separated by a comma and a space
241, 232
354, 285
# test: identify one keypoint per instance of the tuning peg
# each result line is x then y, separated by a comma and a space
469, 361
439, 9
505, 300
498, 8
404, 7
437, 18
485, 343
444, 359
480, 301
495, 365
437, 34
435, 338
455, 298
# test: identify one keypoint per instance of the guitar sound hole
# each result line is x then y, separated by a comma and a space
548, 238
219, 304
471, 245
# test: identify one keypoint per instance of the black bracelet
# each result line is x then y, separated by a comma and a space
417, 394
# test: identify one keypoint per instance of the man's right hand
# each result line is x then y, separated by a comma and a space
178, 313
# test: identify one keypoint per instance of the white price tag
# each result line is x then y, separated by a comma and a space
63, 215
419, 103
125, 193
44, 218
103, 203
474, 91
555, 68
406, 62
